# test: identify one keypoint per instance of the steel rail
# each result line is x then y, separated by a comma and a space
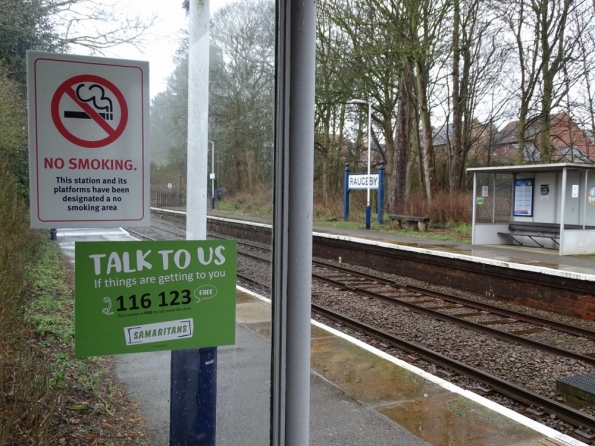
252, 256
512, 391
253, 282
138, 234
163, 221
577, 331
515, 392
508, 337
250, 245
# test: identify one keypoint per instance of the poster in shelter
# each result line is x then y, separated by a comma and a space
523, 198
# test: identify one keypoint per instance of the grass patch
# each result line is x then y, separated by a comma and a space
47, 396
456, 233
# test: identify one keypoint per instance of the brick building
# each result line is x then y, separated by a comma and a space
569, 141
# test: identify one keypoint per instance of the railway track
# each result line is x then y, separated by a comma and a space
433, 303
462, 311
515, 392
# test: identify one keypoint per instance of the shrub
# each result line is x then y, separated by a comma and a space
26, 400
446, 207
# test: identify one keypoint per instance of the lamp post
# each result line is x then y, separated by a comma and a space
212, 174
369, 104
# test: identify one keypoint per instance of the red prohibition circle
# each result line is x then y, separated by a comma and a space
66, 89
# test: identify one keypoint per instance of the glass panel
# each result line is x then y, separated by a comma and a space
238, 161
241, 127
494, 199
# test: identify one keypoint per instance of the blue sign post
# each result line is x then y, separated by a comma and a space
362, 182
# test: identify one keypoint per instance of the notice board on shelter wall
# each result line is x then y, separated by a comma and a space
523, 198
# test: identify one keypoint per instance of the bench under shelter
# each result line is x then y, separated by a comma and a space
537, 205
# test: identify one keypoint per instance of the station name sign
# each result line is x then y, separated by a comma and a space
357, 181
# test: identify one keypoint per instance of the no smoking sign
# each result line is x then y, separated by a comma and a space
88, 141
89, 111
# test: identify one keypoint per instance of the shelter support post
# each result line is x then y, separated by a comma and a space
292, 230
194, 372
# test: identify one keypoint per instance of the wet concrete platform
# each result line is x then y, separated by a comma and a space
434, 410
243, 388
359, 395
547, 261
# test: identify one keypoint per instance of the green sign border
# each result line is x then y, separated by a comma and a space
138, 296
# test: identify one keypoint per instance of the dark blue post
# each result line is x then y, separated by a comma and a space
381, 194
193, 398
346, 193
213, 201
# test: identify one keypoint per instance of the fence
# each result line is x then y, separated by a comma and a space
168, 199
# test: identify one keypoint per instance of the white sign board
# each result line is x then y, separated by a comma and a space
88, 141
362, 181
575, 190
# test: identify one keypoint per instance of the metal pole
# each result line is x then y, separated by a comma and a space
473, 222
292, 229
368, 209
381, 194
585, 193
212, 174
193, 392
346, 193
563, 210
361, 101
494, 200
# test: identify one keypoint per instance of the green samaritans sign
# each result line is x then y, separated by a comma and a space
147, 296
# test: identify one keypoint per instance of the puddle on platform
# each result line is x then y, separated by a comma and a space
425, 409
242, 298
365, 376
449, 419
262, 328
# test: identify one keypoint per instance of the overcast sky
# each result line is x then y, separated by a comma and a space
163, 38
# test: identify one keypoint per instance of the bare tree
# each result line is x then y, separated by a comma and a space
581, 99
543, 49
477, 57
241, 93
95, 25
426, 25
365, 54
61, 25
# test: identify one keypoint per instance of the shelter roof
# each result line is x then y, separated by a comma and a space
557, 167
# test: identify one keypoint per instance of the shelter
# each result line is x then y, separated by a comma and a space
538, 205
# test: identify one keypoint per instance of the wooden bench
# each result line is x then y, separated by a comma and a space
535, 230
532, 230
412, 223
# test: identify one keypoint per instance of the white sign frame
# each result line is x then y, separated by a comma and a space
88, 141
361, 181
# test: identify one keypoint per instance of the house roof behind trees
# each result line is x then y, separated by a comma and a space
569, 141
443, 135
510, 133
